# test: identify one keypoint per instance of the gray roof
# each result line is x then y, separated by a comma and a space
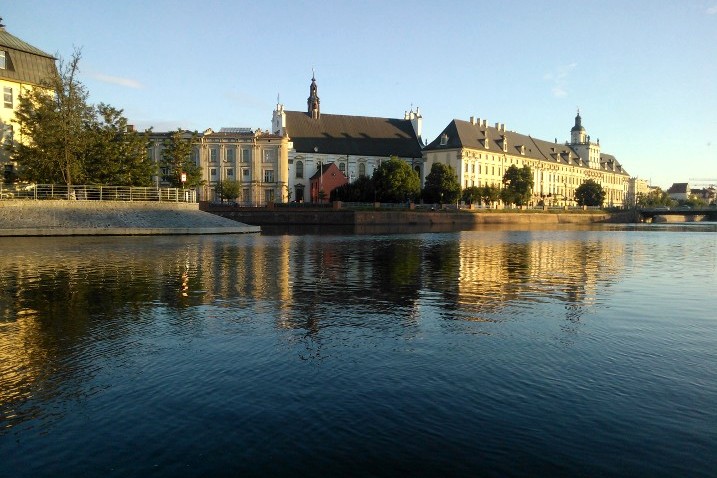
354, 135
23, 62
464, 134
679, 188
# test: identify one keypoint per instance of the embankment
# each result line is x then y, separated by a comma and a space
111, 218
358, 218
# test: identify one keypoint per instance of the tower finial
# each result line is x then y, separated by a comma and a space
313, 74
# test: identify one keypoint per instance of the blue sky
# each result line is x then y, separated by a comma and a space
643, 73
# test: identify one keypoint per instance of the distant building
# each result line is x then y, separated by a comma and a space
22, 67
258, 160
679, 191
636, 188
480, 155
356, 144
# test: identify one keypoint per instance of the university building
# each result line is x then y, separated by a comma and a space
480, 155
22, 67
355, 144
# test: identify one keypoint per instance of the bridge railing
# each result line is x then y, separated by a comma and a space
96, 193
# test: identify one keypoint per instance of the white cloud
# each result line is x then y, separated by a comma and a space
711, 10
116, 80
558, 78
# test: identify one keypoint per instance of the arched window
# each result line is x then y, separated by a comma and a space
342, 167
299, 169
362, 169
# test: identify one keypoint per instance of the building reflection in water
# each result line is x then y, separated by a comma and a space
67, 298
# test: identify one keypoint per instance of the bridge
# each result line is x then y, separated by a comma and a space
708, 213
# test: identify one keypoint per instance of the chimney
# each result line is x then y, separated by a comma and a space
497, 126
473, 120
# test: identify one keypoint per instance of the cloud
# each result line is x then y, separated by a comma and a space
711, 10
116, 80
558, 78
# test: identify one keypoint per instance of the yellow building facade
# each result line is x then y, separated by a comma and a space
257, 160
22, 67
481, 154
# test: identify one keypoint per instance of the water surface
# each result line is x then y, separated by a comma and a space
495, 352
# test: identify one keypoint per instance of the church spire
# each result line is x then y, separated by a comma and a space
313, 101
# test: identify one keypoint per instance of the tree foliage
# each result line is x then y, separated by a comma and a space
177, 157
489, 194
395, 181
361, 190
590, 193
228, 190
656, 197
471, 195
517, 185
67, 140
441, 185
116, 154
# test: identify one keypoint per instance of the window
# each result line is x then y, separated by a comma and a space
231, 155
213, 172
213, 154
230, 172
246, 155
268, 195
268, 175
362, 169
245, 195
3, 63
342, 167
444, 139
8, 96
245, 176
270, 155
299, 169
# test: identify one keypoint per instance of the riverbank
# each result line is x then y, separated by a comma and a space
111, 218
358, 218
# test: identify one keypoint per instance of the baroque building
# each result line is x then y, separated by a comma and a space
22, 68
257, 160
480, 155
356, 144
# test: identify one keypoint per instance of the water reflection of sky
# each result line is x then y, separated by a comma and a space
85, 319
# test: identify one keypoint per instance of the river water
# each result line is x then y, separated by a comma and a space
566, 351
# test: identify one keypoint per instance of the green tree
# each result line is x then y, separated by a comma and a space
361, 190
441, 185
177, 156
395, 181
53, 118
471, 195
656, 197
116, 154
228, 190
489, 194
517, 185
70, 141
590, 193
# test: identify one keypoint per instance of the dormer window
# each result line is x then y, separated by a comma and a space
444, 139
522, 149
3, 63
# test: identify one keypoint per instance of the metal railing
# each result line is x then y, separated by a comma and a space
96, 193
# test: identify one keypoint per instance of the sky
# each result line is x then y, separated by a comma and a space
643, 72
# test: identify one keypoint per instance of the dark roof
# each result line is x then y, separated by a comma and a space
23, 62
354, 135
679, 188
324, 169
465, 134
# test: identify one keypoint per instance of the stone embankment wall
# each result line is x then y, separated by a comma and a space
344, 217
61, 217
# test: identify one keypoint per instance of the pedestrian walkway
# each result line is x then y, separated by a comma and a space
80, 218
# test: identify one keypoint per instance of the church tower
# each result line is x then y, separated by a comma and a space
313, 101
588, 151
578, 134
